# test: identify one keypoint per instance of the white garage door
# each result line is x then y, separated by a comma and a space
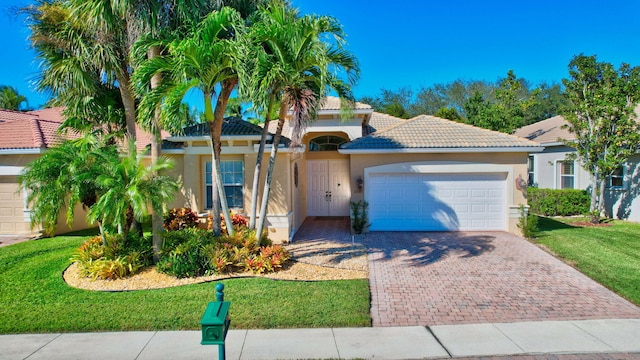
11, 207
436, 202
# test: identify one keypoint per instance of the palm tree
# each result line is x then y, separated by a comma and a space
63, 177
206, 60
128, 187
11, 99
295, 68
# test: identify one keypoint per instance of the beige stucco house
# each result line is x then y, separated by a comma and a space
423, 173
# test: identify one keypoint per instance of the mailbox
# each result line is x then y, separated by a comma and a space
215, 323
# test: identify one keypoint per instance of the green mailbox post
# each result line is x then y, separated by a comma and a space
215, 322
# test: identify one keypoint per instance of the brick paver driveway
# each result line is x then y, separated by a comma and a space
422, 278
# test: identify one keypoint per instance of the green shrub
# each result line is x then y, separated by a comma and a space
194, 252
359, 216
115, 260
565, 202
528, 224
183, 253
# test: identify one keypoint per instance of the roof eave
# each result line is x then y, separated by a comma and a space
21, 151
207, 138
530, 149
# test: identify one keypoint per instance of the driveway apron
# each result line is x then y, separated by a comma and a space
444, 278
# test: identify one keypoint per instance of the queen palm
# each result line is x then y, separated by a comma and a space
206, 60
296, 69
11, 99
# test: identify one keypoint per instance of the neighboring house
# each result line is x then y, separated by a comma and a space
424, 173
552, 169
24, 136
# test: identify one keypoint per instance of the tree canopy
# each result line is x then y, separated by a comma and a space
601, 114
504, 105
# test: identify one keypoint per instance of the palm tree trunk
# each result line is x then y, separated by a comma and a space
272, 163
126, 93
258, 170
156, 151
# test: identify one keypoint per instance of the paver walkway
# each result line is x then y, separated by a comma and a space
420, 278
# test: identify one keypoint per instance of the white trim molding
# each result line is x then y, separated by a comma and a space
6, 170
531, 149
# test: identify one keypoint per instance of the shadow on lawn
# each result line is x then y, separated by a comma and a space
424, 248
548, 224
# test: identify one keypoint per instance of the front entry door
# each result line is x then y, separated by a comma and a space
328, 190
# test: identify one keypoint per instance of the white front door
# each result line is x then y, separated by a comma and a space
328, 190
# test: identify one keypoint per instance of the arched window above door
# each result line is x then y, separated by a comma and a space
326, 143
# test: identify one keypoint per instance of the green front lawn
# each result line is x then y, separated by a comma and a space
609, 254
34, 298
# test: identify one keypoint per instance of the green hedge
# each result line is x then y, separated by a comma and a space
566, 202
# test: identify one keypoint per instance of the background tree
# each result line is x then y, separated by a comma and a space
601, 115
10, 99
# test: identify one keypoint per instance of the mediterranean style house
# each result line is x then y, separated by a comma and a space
554, 168
420, 174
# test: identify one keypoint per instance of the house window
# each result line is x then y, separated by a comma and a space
616, 179
326, 143
531, 168
567, 169
232, 172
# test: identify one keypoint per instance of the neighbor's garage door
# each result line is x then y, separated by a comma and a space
436, 202
11, 207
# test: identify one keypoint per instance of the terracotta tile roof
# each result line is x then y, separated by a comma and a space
380, 121
430, 132
39, 129
30, 130
551, 130
333, 103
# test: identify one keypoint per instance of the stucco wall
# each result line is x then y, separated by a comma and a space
624, 203
546, 170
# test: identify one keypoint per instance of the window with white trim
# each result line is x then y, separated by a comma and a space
232, 172
326, 143
567, 171
531, 170
616, 179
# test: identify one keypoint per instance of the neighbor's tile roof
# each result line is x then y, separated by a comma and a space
551, 130
29, 130
430, 132
333, 103
38, 129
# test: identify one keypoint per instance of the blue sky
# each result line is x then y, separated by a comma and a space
419, 43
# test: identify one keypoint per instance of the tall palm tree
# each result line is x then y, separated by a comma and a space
11, 99
206, 60
295, 68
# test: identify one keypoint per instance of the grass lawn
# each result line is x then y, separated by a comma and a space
34, 298
609, 254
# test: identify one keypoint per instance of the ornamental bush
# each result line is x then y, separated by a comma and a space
194, 252
554, 202
180, 218
116, 260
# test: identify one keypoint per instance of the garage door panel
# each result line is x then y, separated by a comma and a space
437, 202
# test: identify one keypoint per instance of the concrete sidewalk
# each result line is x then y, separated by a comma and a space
417, 342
